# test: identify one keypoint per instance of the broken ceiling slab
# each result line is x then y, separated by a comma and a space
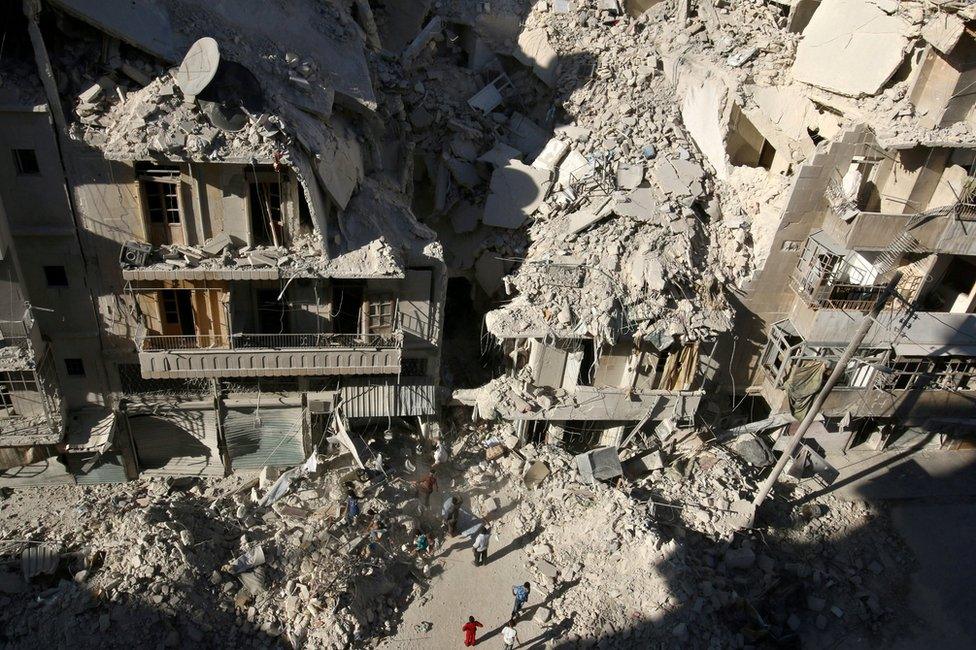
426, 35
465, 217
464, 173
574, 168
943, 31
851, 47
679, 177
551, 155
641, 204
629, 177
500, 154
164, 30
533, 49
516, 192
525, 135
489, 270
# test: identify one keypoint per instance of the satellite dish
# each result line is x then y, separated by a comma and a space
199, 67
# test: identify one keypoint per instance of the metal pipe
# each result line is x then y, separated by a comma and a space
821, 397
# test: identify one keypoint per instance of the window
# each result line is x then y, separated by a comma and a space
56, 276
381, 315
25, 161
74, 367
413, 368
161, 202
265, 207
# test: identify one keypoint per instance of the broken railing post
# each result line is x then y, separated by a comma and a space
818, 402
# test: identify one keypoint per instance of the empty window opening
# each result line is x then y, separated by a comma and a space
414, 367
264, 204
176, 311
25, 160
19, 395
56, 276
588, 365
956, 291
347, 305
74, 367
272, 313
745, 145
160, 190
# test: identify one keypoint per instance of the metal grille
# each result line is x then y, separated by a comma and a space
266, 437
269, 341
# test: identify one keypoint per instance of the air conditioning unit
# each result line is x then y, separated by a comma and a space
135, 253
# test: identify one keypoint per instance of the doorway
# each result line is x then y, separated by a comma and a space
347, 305
177, 312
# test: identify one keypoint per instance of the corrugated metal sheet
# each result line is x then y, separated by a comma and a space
387, 400
272, 439
108, 468
177, 443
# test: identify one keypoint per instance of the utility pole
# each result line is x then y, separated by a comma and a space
821, 397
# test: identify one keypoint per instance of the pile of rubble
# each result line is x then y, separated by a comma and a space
192, 562
305, 256
831, 570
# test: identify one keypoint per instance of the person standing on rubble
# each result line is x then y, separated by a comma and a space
450, 513
469, 629
425, 487
481, 546
521, 593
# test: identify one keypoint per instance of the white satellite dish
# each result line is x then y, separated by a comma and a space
199, 67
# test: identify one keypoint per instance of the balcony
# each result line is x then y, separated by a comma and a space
268, 355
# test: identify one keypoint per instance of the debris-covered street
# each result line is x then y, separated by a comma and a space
518, 323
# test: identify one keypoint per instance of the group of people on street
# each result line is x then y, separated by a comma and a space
509, 633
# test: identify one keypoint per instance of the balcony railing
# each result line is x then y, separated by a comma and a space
165, 342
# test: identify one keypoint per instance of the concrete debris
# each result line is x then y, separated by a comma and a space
601, 464
517, 190
839, 54
943, 31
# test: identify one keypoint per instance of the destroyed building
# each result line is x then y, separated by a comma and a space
886, 189
213, 254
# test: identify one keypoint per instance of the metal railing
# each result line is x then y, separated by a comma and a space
164, 342
15, 333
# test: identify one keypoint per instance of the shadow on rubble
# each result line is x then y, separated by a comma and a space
785, 584
190, 609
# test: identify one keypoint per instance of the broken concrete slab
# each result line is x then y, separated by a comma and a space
574, 168
516, 192
533, 49
536, 473
426, 35
217, 244
551, 155
463, 172
851, 47
500, 154
525, 135
629, 177
943, 31
641, 204
679, 177
489, 271
600, 464
487, 99
465, 217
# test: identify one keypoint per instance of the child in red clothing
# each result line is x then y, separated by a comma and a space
469, 630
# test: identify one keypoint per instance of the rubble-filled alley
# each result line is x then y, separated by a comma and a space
349, 323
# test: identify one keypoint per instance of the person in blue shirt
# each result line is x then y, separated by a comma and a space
420, 542
521, 593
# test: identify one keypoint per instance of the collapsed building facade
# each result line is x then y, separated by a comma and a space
882, 186
650, 228
200, 289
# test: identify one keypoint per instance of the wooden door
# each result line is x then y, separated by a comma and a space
163, 211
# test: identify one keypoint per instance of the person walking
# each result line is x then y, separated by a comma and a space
510, 635
425, 487
481, 546
470, 629
521, 593
450, 513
